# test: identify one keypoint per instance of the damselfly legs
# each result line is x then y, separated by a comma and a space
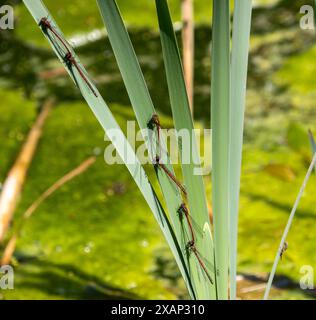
66, 55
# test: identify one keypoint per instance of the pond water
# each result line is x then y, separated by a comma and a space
274, 38
274, 101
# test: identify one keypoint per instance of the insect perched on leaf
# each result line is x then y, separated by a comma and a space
67, 56
153, 123
191, 244
183, 211
283, 249
191, 248
170, 175
70, 60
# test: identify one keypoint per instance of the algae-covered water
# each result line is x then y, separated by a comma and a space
96, 237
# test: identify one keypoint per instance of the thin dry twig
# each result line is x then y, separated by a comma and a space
283, 245
14, 182
10, 248
188, 47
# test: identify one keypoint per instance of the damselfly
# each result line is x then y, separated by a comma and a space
67, 56
183, 210
153, 123
45, 24
70, 60
185, 215
190, 247
170, 175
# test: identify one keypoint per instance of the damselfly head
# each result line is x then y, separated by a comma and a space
44, 22
190, 245
183, 209
154, 122
155, 119
69, 57
180, 211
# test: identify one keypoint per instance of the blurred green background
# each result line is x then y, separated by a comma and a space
96, 237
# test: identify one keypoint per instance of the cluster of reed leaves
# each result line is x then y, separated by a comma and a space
229, 77
229, 73
108, 123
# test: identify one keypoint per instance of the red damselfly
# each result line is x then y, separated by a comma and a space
170, 175
68, 56
191, 244
70, 59
190, 247
45, 24
183, 210
155, 123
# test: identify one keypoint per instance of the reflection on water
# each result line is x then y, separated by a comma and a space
39, 73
